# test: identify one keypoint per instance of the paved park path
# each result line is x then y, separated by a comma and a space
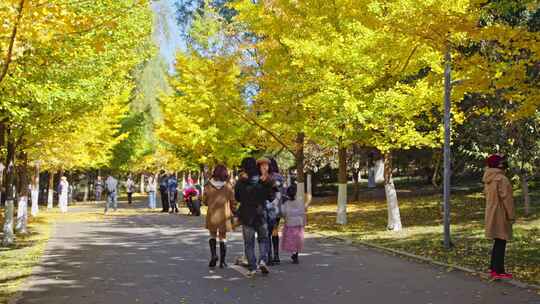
160, 258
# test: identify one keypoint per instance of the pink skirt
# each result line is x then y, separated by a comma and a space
292, 239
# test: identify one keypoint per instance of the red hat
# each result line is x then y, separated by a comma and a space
495, 161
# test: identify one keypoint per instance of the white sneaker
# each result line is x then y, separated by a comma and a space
264, 269
251, 273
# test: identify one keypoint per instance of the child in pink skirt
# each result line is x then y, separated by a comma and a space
294, 213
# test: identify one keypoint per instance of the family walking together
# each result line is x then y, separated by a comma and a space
263, 200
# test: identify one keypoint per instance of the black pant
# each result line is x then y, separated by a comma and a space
130, 197
173, 197
497, 256
164, 199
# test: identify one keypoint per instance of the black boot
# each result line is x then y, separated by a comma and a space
222, 254
294, 258
275, 246
213, 258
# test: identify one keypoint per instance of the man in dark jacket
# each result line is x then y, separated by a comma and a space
252, 193
163, 183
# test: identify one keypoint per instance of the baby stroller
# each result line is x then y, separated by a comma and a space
191, 198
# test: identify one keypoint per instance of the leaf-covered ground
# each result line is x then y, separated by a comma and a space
421, 216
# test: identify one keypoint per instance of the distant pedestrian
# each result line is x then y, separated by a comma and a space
151, 188
294, 213
98, 188
163, 183
499, 215
130, 188
172, 189
111, 186
63, 194
219, 197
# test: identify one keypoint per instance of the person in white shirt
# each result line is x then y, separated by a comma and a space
151, 188
130, 188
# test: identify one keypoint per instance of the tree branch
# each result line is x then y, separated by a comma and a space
12, 39
254, 121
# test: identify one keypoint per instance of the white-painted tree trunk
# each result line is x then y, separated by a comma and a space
9, 236
22, 214
50, 196
35, 196
142, 184
50, 191
300, 195
289, 180
379, 171
394, 218
86, 189
342, 204
201, 181
309, 190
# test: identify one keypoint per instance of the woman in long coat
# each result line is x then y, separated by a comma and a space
499, 215
63, 193
219, 197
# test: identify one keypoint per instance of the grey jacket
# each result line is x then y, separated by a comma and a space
294, 213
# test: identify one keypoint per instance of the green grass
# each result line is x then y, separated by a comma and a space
422, 234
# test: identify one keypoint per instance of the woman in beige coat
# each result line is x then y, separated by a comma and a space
499, 215
219, 197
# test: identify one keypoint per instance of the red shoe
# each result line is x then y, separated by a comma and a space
506, 275
501, 276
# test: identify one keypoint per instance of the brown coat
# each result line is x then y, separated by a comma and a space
220, 200
499, 204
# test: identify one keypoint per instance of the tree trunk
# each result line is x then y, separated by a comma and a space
435, 177
299, 158
142, 183
309, 188
526, 195
50, 190
22, 202
9, 236
341, 217
356, 184
446, 154
86, 189
35, 191
394, 218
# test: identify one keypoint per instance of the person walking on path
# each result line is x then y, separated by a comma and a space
499, 215
163, 183
63, 194
294, 213
274, 212
111, 185
98, 188
219, 197
172, 188
252, 192
130, 188
151, 188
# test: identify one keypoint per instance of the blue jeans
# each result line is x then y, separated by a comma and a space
249, 244
111, 199
152, 199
